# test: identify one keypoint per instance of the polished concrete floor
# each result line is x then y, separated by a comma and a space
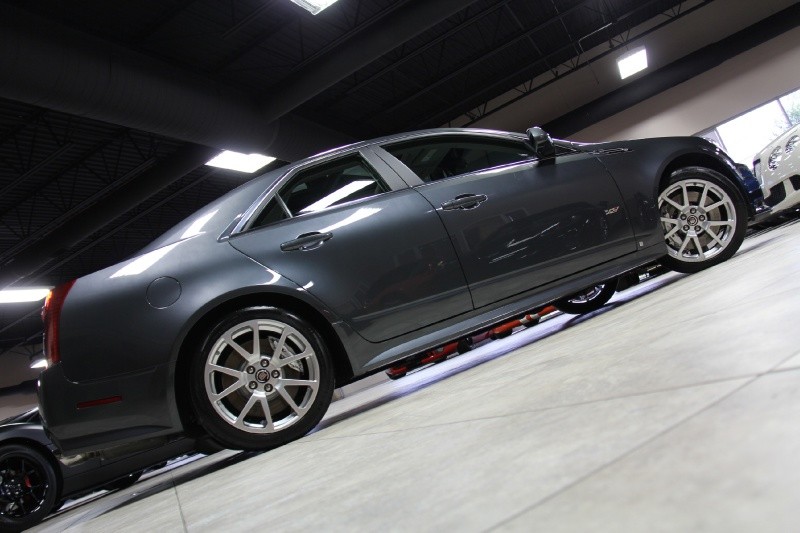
675, 408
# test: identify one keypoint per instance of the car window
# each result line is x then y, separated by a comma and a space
320, 187
442, 157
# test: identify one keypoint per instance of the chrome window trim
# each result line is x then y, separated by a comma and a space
415, 181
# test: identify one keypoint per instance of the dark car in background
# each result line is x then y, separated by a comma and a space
239, 322
35, 478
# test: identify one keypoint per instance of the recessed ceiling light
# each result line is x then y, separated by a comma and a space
241, 162
13, 296
632, 62
314, 6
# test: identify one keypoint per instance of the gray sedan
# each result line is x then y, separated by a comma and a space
238, 323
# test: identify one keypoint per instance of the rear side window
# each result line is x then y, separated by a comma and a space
321, 187
442, 157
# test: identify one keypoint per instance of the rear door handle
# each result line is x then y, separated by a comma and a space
306, 241
464, 201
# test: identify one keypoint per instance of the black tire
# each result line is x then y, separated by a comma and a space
588, 300
232, 396
704, 219
28, 487
123, 482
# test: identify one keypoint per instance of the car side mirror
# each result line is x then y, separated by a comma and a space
541, 142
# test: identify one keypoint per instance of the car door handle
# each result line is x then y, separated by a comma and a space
464, 201
306, 241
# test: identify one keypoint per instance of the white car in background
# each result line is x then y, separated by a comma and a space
777, 168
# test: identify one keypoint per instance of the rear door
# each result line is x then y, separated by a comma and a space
362, 242
517, 222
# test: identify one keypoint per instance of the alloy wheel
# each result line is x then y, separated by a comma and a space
262, 376
23, 487
699, 219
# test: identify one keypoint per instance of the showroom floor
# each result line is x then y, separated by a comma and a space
676, 408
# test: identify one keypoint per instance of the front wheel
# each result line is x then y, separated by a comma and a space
588, 300
262, 378
28, 487
704, 219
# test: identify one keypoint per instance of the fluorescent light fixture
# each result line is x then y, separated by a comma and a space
14, 296
632, 62
241, 162
39, 363
314, 6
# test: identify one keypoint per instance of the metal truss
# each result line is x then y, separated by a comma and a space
57, 177
618, 36
490, 47
308, 46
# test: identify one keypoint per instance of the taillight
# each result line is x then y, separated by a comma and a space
51, 315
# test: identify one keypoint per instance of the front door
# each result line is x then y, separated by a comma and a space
518, 222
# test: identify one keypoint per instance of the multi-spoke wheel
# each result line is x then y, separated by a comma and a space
703, 217
28, 487
262, 379
588, 300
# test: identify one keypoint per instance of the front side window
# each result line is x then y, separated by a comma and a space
442, 157
320, 187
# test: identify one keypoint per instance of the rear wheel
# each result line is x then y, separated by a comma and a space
704, 219
263, 378
28, 487
588, 300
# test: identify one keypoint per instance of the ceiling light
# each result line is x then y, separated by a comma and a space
632, 62
241, 162
314, 6
39, 363
13, 296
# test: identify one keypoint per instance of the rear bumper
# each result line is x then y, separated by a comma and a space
99, 414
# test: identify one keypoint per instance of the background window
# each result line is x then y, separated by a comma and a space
791, 106
744, 136
747, 134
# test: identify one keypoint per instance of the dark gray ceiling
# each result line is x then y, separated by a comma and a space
109, 109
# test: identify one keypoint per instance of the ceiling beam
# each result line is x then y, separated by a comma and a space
37, 255
50, 65
363, 48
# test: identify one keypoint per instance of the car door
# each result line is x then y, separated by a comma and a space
363, 243
517, 222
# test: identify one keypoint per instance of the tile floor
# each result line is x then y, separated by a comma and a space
675, 408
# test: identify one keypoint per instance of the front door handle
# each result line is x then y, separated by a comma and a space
464, 201
306, 241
